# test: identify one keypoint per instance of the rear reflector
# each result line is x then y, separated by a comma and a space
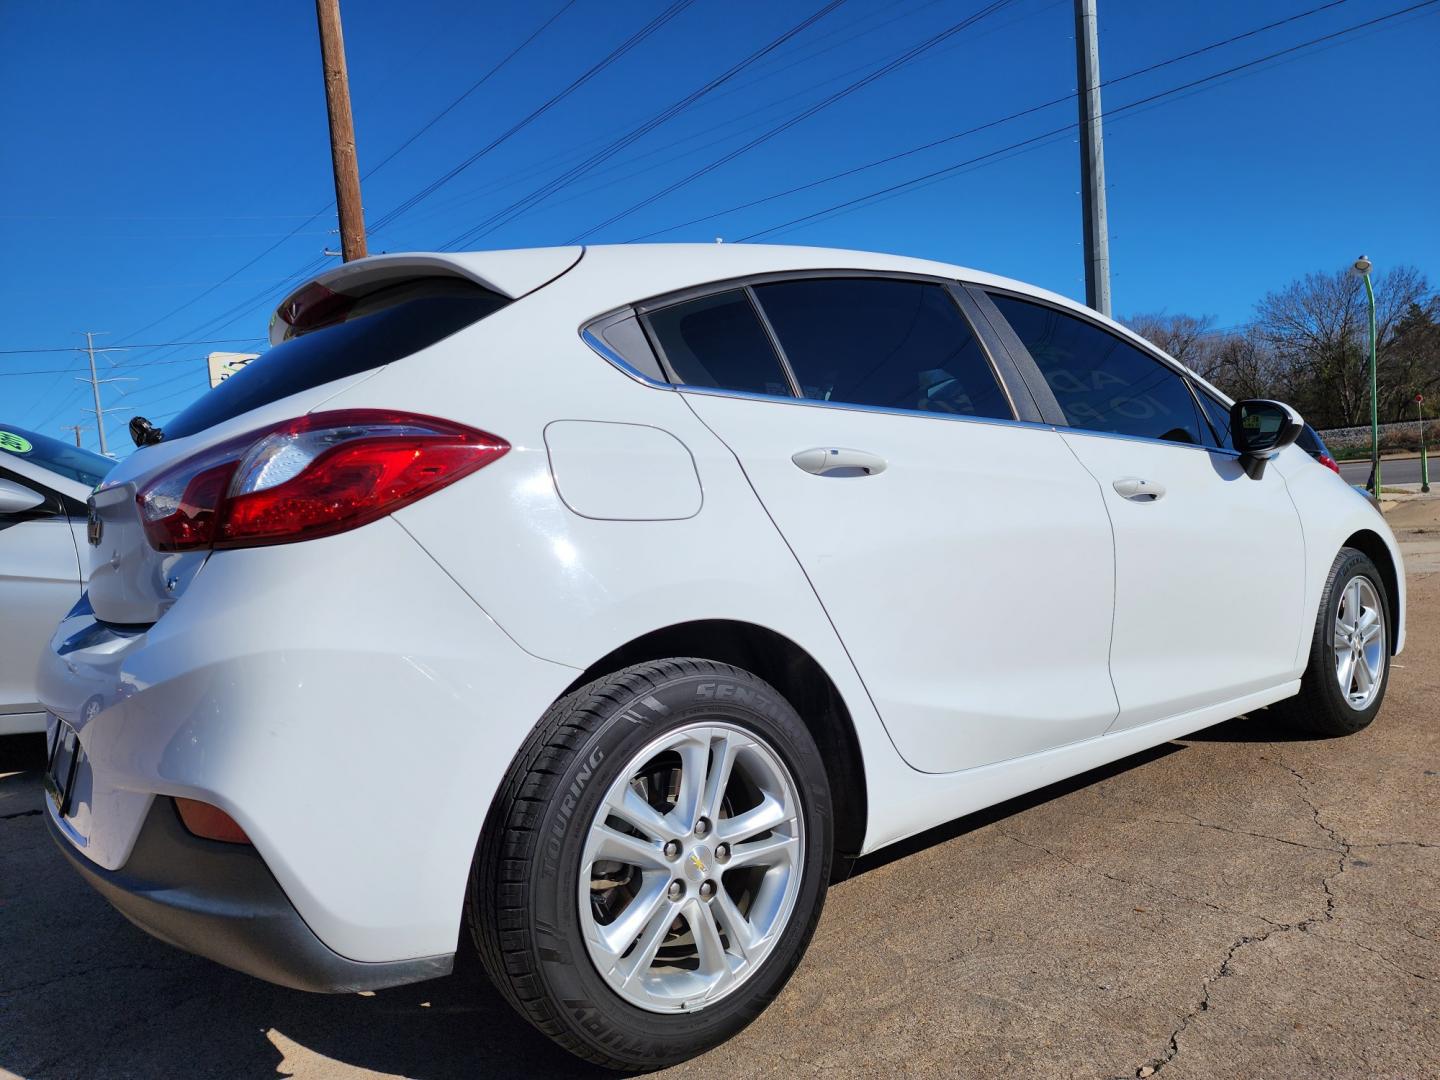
319, 475
210, 822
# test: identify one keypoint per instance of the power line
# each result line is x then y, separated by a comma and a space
501, 217
73, 370
1042, 106
369, 173
126, 348
1065, 129
904, 58
615, 54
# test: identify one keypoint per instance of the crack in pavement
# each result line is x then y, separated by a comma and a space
19, 814
1137, 884
1343, 849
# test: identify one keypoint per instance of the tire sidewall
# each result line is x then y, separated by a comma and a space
588, 1005
1350, 565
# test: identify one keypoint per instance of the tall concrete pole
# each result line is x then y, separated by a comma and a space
1092, 159
342, 131
95, 381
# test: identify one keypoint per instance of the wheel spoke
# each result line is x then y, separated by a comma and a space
632, 809
694, 769
767, 852
1345, 671
1341, 640
1364, 676
1352, 601
737, 928
770, 814
1370, 626
723, 750
634, 966
608, 843
648, 905
709, 948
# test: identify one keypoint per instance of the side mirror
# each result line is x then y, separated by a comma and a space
17, 498
1260, 429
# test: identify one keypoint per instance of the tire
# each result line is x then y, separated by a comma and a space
540, 884
1322, 707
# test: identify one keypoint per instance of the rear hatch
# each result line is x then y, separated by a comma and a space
327, 336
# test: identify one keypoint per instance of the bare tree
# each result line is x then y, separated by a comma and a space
1317, 328
1185, 337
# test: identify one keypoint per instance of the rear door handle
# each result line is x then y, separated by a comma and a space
1137, 490
837, 461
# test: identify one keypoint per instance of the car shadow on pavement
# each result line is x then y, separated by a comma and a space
83, 993
134, 1006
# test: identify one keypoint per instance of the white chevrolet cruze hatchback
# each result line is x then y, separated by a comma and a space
603, 604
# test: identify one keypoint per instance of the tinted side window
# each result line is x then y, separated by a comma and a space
1101, 382
877, 341
1219, 417
345, 348
719, 341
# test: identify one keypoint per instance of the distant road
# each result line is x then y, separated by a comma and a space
1404, 471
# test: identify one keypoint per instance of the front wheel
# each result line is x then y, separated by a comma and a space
1349, 667
655, 863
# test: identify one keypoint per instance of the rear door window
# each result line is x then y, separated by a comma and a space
883, 342
377, 330
1101, 382
718, 341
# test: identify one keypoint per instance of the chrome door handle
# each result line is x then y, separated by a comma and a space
837, 461
1137, 490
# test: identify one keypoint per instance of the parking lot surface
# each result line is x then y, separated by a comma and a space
1244, 902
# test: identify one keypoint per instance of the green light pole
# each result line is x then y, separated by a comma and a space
1362, 269
1424, 464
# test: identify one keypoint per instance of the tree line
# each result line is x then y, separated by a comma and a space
1308, 345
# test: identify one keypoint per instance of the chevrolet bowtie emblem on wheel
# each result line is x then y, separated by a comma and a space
699, 863
94, 527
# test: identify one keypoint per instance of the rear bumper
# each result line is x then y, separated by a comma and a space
220, 901
342, 699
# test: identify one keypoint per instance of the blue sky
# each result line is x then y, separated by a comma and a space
151, 151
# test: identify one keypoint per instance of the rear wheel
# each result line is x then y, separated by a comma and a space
1345, 680
655, 863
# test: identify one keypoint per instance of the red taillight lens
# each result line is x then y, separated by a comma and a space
1329, 463
210, 822
316, 476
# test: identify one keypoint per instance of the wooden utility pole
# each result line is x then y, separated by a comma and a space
1092, 159
77, 429
342, 131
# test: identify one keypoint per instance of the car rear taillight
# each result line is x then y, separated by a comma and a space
1329, 463
315, 476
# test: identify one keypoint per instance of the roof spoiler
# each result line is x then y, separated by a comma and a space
510, 273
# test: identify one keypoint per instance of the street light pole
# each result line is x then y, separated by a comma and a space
1424, 463
1362, 268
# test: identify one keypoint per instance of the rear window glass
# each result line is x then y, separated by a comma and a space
718, 341
361, 343
71, 462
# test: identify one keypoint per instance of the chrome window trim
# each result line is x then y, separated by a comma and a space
589, 337
619, 362
642, 308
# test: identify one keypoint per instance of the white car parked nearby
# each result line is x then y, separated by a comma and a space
43, 486
606, 603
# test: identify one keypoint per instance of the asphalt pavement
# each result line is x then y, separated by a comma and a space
1242, 903
1396, 471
